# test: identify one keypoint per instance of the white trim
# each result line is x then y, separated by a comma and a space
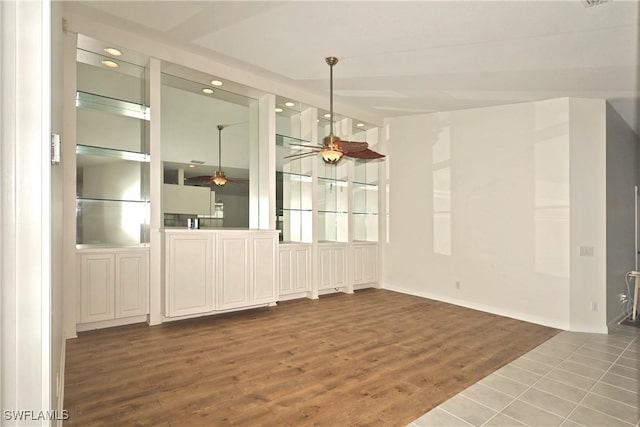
83, 327
25, 347
552, 323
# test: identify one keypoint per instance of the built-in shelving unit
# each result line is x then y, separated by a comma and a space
365, 201
112, 161
294, 185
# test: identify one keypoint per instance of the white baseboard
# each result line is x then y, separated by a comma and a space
83, 327
539, 320
60, 385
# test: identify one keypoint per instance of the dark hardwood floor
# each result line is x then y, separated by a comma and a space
375, 358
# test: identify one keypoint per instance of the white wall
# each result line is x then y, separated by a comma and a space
588, 214
482, 198
622, 176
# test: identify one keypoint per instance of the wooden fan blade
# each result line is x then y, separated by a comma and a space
364, 154
350, 146
297, 156
237, 180
201, 178
307, 145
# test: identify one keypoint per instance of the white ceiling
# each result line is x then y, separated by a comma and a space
401, 58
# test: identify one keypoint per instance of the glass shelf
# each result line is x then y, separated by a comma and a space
88, 150
112, 105
286, 141
112, 222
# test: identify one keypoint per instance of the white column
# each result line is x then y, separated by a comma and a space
156, 265
25, 208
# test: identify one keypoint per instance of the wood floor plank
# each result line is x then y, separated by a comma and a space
375, 358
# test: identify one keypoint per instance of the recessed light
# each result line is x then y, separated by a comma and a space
109, 63
290, 104
113, 51
327, 116
207, 90
278, 110
216, 82
360, 125
192, 166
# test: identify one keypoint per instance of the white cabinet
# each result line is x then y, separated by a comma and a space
332, 264
114, 284
131, 284
213, 270
189, 273
264, 268
365, 263
294, 269
246, 270
233, 279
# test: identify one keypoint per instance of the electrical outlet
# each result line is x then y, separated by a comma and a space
457, 284
586, 250
594, 306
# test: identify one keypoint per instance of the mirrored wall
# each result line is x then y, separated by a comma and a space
206, 132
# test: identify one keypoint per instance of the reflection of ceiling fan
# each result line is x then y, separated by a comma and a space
219, 177
333, 148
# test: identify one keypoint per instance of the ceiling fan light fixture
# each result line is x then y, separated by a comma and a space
330, 155
219, 179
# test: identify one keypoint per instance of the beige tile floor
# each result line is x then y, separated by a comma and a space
573, 379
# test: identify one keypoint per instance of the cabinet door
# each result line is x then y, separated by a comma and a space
294, 270
233, 280
325, 256
365, 264
339, 266
96, 287
301, 269
132, 284
263, 277
285, 272
358, 264
190, 264
370, 265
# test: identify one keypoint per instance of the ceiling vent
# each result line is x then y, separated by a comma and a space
591, 3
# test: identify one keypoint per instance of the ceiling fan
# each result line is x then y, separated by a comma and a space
218, 178
333, 148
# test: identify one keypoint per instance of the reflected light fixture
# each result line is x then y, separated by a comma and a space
360, 125
289, 104
207, 90
278, 110
109, 63
113, 51
219, 178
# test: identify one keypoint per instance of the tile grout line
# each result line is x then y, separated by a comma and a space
453, 415
598, 381
566, 418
